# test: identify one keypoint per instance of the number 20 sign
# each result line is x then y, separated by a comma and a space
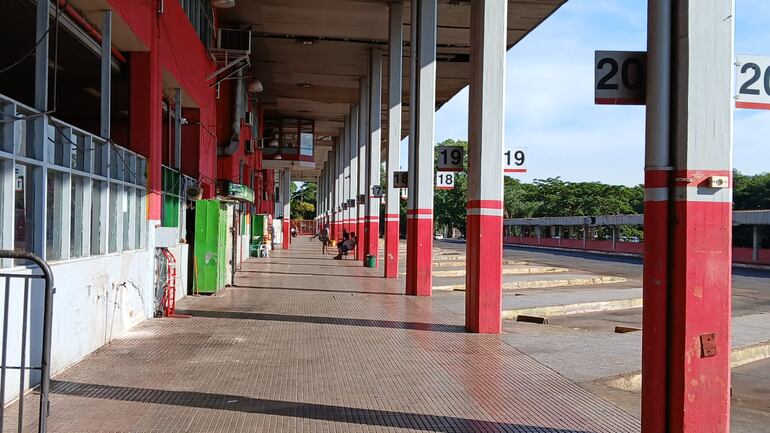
620, 77
753, 82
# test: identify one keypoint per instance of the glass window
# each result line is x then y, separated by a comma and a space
77, 188
98, 195
24, 213
113, 207
77, 152
127, 199
53, 215
139, 218
170, 209
25, 145
99, 157
58, 146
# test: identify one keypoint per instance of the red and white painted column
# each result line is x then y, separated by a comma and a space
372, 222
363, 134
395, 75
286, 192
419, 249
353, 180
688, 218
483, 275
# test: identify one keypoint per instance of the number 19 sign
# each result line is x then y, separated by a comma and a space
515, 160
753, 82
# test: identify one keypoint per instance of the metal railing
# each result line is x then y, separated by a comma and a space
27, 312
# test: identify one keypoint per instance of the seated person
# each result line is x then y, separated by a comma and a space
347, 245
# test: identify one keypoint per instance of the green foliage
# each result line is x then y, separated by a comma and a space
303, 200
751, 192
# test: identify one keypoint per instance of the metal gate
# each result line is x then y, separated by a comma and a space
19, 364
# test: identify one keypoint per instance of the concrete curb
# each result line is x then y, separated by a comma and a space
577, 308
506, 271
741, 355
538, 284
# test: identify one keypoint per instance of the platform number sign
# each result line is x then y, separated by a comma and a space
376, 191
620, 77
515, 160
752, 82
450, 158
445, 180
361, 199
400, 179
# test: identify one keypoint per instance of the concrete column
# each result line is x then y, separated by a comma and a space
419, 278
395, 76
363, 136
686, 317
372, 223
353, 139
286, 191
334, 191
614, 237
344, 147
754, 243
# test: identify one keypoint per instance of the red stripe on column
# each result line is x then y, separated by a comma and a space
483, 278
654, 315
361, 240
372, 239
657, 178
752, 105
286, 234
419, 211
695, 178
419, 278
391, 249
700, 304
484, 204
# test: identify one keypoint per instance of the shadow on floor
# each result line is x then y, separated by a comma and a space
311, 274
321, 320
302, 289
314, 411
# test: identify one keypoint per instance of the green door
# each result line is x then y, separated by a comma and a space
208, 249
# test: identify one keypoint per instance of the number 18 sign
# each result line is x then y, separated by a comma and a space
515, 160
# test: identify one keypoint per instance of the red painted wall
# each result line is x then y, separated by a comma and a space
179, 53
740, 255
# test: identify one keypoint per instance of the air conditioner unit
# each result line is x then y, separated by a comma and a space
234, 40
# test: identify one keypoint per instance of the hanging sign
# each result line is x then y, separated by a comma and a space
515, 160
619, 77
361, 199
752, 79
400, 179
376, 191
445, 180
450, 158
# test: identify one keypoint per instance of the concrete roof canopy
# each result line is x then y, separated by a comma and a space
325, 44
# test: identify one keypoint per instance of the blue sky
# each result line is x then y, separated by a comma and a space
549, 95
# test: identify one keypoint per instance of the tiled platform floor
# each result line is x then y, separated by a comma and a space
308, 344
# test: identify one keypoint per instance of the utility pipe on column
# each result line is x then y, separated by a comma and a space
395, 63
656, 210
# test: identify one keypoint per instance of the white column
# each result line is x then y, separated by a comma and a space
395, 77
372, 224
363, 133
423, 103
353, 140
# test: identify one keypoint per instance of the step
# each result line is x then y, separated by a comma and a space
532, 281
519, 270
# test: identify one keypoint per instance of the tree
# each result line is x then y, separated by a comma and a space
303, 200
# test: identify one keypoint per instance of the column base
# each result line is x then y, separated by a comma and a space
483, 275
419, 253
391, 246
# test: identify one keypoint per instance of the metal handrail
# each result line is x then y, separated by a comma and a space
45, 359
